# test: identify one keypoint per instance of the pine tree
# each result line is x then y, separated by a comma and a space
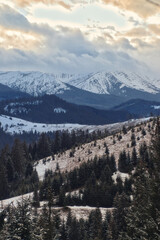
121, 202
141, 222
63, 232
44, 146
57, 143
4, 186
106, 225
134, 158
95, 224
107, 150
10, 170
18, 222
133, 140
112, 163
47, 224
18, 157
35, 202
122, 162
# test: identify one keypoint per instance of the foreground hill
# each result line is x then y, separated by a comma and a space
118, 173
115, 143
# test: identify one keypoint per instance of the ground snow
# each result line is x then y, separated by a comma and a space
156, 107
14, 125
123, 176
15, 200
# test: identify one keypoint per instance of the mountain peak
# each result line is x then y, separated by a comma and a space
110, 82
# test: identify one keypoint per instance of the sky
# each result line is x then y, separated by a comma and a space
80, 36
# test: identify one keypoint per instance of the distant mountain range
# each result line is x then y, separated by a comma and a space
122, 96
116, 83
102, 90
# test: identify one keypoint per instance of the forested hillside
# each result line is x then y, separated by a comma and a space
116, 176
52, 109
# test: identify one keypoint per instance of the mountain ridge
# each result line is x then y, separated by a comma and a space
109, 82
101, 90
52, 109
38, 83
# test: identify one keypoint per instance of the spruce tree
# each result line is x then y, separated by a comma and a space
141, 222
122, 162
4, 186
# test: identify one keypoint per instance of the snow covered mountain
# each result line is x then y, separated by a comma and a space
35, 83
115, 83
102, 90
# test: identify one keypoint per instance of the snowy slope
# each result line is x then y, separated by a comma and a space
14, 125
35, 83
89, 150
112, 82
76, 211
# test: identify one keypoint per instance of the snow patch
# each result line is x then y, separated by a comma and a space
59, 110
19, 107
121, 175
156, 107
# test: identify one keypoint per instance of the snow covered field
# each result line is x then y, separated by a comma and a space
76, 211
14, 125
14, 200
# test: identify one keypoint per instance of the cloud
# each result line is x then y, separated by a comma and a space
154, 2
13, 39
149, 54
137, 32
59, 61
124, 44
24, 3
144, 8
140, 44
17, 32
10, 18
31, 46
155, 28
134, 21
